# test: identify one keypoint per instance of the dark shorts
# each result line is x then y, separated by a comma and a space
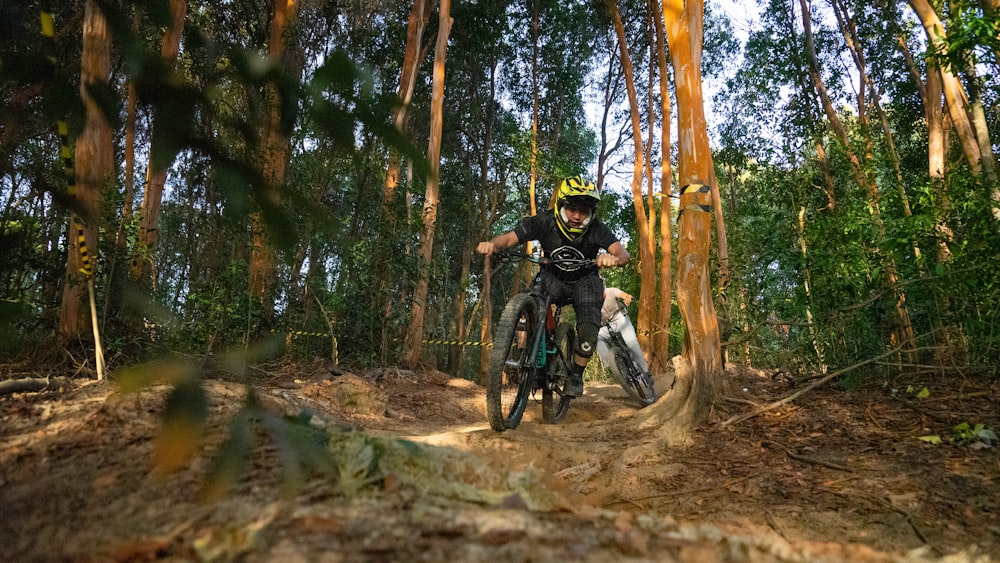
586, 295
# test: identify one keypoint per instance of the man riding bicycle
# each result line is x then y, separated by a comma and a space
572, 231
615, 317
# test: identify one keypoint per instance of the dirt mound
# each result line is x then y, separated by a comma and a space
419, 475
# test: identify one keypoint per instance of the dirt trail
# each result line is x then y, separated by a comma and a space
420, 476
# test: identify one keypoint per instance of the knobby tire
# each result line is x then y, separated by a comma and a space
554, 403
637, 383
512, 367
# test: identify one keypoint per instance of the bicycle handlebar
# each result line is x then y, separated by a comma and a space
506, 256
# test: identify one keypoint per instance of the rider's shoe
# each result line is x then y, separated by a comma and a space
574, 386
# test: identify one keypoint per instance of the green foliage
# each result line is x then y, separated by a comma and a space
301, 441
964, 434
971, 36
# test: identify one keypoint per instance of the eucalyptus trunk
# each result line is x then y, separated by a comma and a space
275, 149
141, 267
414, 335
94, 169
659, 353
700, 368
413, 54
955, 95
647, 256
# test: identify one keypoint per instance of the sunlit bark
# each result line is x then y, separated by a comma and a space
141, 268
659, 354
701, 356
414, 335
953, 91
413, 55
647, 256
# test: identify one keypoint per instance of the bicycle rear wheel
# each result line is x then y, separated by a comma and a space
512, 363
554, 403
633, 379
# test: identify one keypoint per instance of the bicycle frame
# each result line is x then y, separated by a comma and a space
520, 367
543, 346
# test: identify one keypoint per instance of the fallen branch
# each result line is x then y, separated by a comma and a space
31, 384
806, 459
799, 393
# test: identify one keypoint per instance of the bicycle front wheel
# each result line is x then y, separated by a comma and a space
637, 382
512, 363
554, 402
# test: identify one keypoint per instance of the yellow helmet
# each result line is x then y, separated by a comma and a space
575, 191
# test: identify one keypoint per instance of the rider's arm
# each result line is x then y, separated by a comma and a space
616, 256
498, 242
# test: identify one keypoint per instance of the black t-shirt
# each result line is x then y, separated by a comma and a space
544, 229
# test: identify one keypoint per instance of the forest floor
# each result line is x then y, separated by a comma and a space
838, 475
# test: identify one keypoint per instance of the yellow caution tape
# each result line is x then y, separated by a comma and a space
66, 152
48, 24
304, 333
436, 342
86, 268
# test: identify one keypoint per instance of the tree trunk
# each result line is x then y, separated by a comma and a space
456, 356
807, 285
263, 262
415, 332
647, 256
700, 371
611, 85
931, 93
141, 267
659, 354
94, 166
419, 14
953, 91
412, 56
533, 157
128, 201
487, 210
848, 29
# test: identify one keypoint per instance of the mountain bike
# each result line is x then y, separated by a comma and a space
532, 354
637, 382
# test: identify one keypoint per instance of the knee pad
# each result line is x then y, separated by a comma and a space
586, 339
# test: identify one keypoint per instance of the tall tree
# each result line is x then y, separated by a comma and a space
698, 382
903, 328
156, 169
415, 332
413, 54
660, 351
957, 100
274, 147
94, 161
647, 246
